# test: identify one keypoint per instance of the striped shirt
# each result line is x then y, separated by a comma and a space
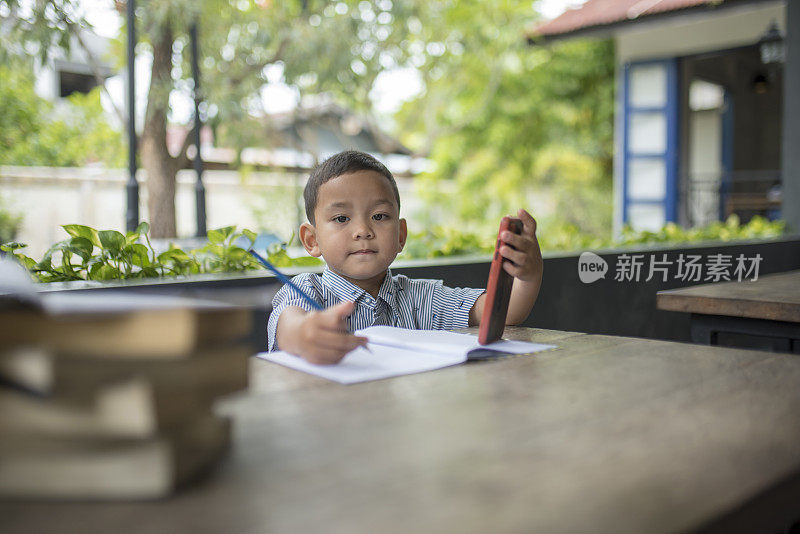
402, 302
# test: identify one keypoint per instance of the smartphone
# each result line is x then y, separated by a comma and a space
498, 289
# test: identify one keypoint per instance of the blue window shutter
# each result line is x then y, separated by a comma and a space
650, 173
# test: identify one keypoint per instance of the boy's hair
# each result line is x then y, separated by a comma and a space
337, 165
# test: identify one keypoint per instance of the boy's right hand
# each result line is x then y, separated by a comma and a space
319, 337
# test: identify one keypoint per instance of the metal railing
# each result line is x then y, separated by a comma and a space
708, 197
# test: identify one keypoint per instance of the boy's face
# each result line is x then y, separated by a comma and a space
358, 230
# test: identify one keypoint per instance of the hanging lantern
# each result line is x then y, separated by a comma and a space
771, 45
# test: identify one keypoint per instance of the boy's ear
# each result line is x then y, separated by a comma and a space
403, 234
308, 236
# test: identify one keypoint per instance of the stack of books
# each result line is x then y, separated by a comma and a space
108, 395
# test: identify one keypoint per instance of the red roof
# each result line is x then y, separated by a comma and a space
598, 13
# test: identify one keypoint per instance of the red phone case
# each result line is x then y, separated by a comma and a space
498, 289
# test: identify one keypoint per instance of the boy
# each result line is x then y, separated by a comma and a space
353, 209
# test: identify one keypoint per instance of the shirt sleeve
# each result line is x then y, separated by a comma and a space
446, 307
286, 296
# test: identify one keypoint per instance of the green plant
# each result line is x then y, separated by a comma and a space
89, 254
728, 230
442, 241
448, 241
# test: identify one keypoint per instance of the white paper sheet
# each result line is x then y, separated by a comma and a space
362, 366
424, 350
442, 341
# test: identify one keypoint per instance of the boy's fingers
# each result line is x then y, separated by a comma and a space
511, 269
528, 222
518, 257
325, 357
517, 271
333, 318
517, 241
344, 309
336, 341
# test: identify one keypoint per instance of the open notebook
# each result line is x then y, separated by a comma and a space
399, 351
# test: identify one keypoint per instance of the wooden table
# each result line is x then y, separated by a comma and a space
768, 307
605, 434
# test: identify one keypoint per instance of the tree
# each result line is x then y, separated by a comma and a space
314, 41
492, 108
499, 117
32, 132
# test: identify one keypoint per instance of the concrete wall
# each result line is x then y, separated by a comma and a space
50, 197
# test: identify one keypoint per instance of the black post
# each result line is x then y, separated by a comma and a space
132, 214
791, 119
199, 188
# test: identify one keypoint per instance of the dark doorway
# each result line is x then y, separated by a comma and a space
731, 144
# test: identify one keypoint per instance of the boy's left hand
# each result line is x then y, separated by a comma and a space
525, 262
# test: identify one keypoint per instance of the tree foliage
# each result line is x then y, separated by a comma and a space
502, 119
497, 116
35, 132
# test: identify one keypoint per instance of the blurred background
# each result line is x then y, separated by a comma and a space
478, 107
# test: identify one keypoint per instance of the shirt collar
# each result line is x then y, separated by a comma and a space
345, 290
388, 288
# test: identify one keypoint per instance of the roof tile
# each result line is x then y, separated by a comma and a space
603, 12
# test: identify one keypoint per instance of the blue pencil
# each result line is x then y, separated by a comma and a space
283, 278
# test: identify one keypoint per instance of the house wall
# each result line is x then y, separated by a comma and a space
695, 34
46, 84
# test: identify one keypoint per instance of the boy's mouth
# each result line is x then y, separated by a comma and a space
363, 252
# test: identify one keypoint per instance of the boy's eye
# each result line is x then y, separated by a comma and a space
341, 218
380, 216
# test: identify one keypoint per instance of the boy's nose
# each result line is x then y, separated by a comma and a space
363, 231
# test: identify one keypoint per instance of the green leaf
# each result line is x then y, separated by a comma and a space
130, 239
80, 246
66, 260
149, 272
173, 254
28, 263
237, 254
143, 228
79, 230
139, 255
251, 235
12, 246
111, 240
216, 236
46, 263
106, 272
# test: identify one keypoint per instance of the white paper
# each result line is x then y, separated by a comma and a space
398, 351
442, 341
362, 366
